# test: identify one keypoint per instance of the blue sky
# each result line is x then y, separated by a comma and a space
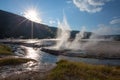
93, 14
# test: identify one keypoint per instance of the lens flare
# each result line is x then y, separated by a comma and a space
32, 15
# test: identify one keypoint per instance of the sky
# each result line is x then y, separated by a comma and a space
102, 16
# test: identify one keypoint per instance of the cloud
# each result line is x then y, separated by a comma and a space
115, 17
115, 21
107, 29
52, 22
90, 6
110, 28
68, 1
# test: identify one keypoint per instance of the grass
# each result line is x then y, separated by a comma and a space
66, 70
14, 61
5, 50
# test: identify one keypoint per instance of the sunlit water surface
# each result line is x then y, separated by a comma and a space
45, 62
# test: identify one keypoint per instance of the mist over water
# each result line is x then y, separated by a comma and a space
94, 45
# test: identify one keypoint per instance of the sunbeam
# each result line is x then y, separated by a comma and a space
32, 15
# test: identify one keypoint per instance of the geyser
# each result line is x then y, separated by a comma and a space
64, 46
76, 43
63, 34
93, 47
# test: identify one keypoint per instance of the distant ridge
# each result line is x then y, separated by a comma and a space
12, 25
16, 26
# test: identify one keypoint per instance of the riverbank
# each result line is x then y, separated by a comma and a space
67, 70
7, 57
13, 62
46, 69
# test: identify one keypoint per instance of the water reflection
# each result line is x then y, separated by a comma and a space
92, 60
46, 58
41, 57
32, 53
45, 62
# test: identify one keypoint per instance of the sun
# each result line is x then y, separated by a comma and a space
32, 15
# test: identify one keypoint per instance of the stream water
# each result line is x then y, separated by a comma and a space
44, 57
45, 62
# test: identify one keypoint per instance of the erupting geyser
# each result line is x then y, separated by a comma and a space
63, 34
64, 46
80, 47
76, 43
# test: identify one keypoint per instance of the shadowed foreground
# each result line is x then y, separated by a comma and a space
66, 70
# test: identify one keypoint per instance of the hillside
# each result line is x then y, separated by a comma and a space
16, 26
12, 25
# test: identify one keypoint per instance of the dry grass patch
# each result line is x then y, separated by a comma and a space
66, 70
5, 50
14, 61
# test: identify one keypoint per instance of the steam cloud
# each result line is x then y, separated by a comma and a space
94, 45
63, 34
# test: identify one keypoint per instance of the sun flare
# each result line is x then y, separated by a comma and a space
32, 15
